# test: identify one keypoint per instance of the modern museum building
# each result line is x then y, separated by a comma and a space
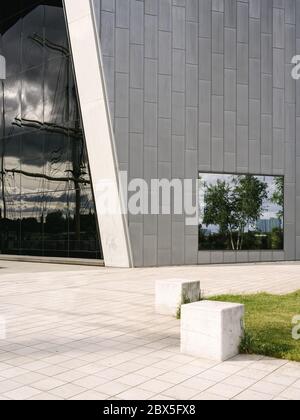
108, 106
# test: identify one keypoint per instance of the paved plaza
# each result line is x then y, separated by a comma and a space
77, 332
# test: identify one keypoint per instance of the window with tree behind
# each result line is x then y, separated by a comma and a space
241, 212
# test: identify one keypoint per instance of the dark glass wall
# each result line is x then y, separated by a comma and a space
46, 201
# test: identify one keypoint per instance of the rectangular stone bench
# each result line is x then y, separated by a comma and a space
170, 294
212, 330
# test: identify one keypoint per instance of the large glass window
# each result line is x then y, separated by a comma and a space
46, 200
241, 212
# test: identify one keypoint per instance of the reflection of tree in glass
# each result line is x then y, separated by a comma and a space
234, 206
278, 196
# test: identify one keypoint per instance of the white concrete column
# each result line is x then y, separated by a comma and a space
87, 59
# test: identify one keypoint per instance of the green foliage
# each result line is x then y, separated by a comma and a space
234, 206
268, 324
278, 196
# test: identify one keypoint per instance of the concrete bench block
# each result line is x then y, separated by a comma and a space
212, 330
170, 294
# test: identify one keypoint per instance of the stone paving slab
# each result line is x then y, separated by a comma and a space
82, 333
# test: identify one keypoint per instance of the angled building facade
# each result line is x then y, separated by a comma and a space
157, 89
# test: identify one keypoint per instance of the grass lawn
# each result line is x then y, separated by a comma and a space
269, 325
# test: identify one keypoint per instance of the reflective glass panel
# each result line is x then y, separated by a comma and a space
241, 212
46, 200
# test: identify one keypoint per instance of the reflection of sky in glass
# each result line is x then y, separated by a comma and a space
270, 210
42, 145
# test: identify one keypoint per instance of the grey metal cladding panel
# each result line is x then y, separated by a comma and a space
192, 128
278, 68
242, 105
165, 15
108, 5
266, 135
109, 73
151, 7
214, 78
151, 80
178, 114
191, 85
164, 96
218, 5
267, 53
218, 74
278, 151
254, 119
217, 155
290, 11
191, 164
192, 10
179, 27
164, 258
178, 242
165, 52
136, 22
191, 249
164, 232
230, 13
242, 148
290, 42
278, 108
137, 66
230, 132
254, 38
266, 94
122, 138
267, 16
243, 64
205, 18
179, 79
150, 124
254, 157
150, 163
230, 90
205, 48
122, 95
178, 157
290, 123
136, 169
122, 13
204, 150
136, 108
278, 28
217, 257
217, 32
242, 22
204, 101
217, 116
108, 33
122, 50
230, 48
255, 84
151, 36
254, 8
192, 46
137, 240
150, 250
164, 140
